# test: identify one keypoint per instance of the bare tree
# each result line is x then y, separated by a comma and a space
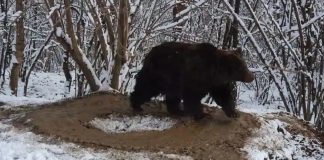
121, 54
70, 43
6, 42
20, 45
231, 40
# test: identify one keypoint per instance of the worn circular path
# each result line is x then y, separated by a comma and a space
214, 137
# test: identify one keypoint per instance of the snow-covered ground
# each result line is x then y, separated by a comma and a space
270, 141
273, 141
42, 88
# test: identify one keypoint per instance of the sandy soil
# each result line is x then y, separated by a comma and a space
214, 137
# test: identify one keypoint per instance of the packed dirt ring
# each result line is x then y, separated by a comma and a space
214, 137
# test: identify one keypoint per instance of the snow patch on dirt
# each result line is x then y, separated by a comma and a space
15, 144
122, 124
25, 145
273, 141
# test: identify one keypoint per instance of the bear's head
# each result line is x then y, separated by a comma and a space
234, 66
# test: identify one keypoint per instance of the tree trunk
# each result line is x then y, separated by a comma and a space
178, 7
72, 46
100, 34
3, 8
109, 24
6, 51
76, 52
231, 40
20, 45
66, 71
122, 31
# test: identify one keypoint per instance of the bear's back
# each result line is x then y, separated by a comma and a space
175, 57
175, 54
172, 48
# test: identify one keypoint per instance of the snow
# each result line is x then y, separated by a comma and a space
15, 16
247, 103
273, 141
12, 101
17, 144
52, 10
59, 32
259, 110
122, 124
42, 88
14, 59
134, 6
303, 3
183, 19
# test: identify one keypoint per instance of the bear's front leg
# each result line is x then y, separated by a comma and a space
192, 105
143, 92
136, 101
223, 97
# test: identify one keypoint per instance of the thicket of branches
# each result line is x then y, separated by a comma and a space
104, 42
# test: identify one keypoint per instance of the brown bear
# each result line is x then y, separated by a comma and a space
188, 72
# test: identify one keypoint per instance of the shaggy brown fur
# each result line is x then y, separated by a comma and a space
183, 71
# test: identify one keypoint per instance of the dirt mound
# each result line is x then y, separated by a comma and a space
215, 137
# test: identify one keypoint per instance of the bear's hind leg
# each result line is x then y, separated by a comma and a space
193, 106
173, 96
